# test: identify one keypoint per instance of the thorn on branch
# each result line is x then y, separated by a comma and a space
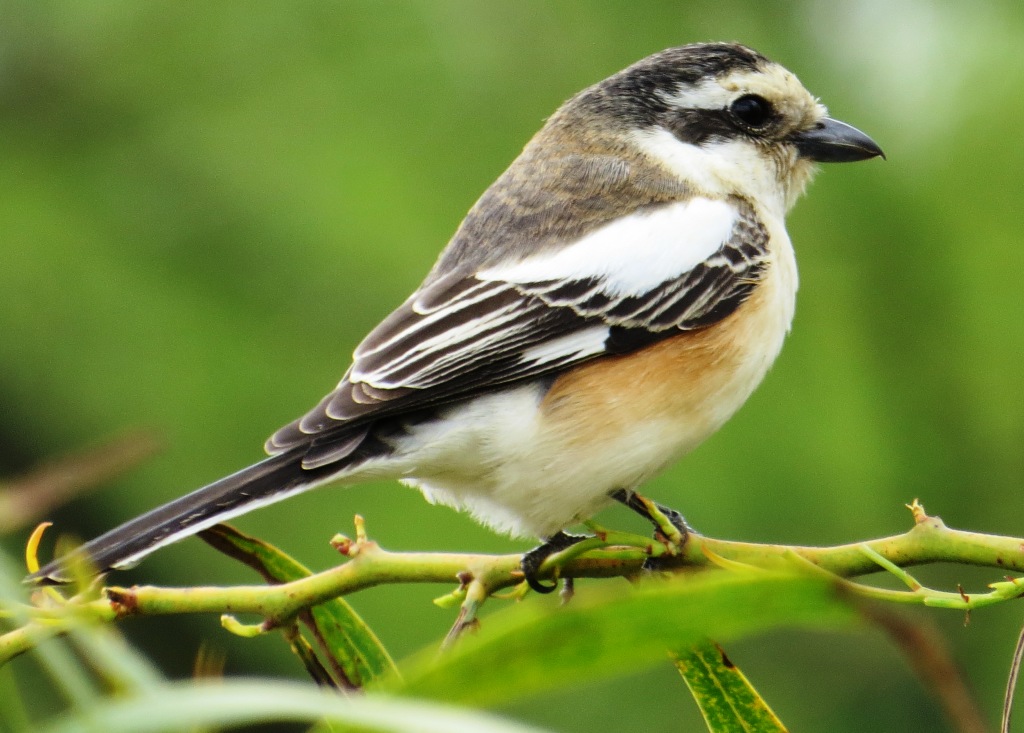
448, 600
465, 621
917, 511
360, 529
344, 545
351, 548
921, 518
246, 631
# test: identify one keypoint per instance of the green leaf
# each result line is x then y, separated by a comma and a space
355, 654
727, 700
184, 705
528, 649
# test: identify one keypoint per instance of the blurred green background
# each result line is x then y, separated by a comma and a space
203, 207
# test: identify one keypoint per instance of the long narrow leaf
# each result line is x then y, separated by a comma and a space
727, 700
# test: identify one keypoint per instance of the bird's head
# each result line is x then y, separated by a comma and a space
721, 117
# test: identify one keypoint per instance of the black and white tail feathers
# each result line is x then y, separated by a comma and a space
266, 482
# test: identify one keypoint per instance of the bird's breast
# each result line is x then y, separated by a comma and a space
697, 378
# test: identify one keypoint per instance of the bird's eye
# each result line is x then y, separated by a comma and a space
752, 111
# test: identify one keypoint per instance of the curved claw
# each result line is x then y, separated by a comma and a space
539, 587
533, 559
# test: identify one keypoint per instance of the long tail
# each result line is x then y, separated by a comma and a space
268, 481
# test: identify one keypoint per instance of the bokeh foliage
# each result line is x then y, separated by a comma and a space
203, 208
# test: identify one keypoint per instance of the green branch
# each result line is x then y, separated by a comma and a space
608, 554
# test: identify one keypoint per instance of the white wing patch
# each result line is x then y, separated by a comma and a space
634, 254
575, 346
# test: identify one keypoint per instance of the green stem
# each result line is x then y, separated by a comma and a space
928, 541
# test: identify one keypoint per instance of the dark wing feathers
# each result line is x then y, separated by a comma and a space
460, 335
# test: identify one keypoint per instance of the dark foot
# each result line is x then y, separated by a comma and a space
533, 559
677, 519
642, 506
650, 511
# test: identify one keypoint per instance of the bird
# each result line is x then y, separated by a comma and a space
609, 302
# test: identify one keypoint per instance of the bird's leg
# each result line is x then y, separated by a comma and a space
668, 523
533, 559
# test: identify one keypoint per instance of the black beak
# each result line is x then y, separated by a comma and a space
832, 141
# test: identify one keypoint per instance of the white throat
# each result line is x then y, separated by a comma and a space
719, 169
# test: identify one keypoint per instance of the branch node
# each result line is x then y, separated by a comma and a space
917, 511
908, 580
476, 594
922, 519
344, 545
350, 548
123, 601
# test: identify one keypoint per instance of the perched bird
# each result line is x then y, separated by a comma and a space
608, 303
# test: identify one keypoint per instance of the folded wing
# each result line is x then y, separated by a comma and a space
674, 267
